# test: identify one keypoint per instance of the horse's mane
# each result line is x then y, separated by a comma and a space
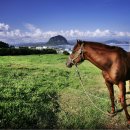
98, 45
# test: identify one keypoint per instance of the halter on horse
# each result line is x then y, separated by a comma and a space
114, 63
76, 56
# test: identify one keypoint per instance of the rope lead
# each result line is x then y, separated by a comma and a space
87, 94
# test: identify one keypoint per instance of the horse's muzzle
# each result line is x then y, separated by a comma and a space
69, 64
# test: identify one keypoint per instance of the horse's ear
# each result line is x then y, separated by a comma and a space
79, 42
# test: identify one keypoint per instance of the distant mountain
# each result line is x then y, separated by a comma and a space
57, 40
116, 42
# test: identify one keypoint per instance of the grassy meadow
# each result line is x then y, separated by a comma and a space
39, 91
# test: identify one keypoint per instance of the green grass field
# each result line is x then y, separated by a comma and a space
39, 91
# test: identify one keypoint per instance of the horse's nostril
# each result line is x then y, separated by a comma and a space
69, 65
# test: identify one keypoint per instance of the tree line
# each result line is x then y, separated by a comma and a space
5, 50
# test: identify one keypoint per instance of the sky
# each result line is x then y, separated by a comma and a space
38, 20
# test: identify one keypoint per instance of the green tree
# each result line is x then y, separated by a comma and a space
4, 45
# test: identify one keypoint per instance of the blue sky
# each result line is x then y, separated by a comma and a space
38, 20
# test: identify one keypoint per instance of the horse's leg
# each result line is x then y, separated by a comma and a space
119, 96
129, 85
111, 93
122, 89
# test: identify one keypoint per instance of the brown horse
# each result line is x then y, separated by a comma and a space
114, 63
128, 53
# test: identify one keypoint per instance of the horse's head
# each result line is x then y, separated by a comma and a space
77, 55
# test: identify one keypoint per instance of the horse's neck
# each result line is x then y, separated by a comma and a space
96, 57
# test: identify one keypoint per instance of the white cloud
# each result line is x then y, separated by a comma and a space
4, 27
78, 33
30, 27
122, 34
35, 34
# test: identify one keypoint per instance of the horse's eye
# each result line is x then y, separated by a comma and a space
73, 52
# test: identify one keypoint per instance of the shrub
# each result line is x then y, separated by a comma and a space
24, 51
66, 53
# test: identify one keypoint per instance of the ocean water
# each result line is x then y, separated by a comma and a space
124, 46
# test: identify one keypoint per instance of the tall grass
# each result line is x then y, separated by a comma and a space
40, 92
